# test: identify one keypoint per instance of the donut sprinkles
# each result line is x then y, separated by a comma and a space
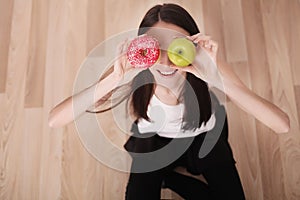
143, 52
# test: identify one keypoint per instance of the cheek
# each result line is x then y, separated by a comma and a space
182, 73
152, 70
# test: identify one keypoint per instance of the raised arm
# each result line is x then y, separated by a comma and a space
220, 75
63, 113
260, 108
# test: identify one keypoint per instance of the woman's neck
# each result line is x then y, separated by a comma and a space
168, 96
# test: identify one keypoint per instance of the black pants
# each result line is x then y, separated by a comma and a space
223, 183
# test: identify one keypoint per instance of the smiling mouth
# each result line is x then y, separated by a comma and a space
167, 73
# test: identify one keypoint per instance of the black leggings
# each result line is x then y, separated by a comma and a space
223, 183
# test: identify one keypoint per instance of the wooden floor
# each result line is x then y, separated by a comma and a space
43, 43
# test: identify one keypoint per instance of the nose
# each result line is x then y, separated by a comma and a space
164, 59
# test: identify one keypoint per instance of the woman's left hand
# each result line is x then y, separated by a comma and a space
221, 75
205, 43
205, 63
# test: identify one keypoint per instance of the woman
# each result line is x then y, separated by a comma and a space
195, 114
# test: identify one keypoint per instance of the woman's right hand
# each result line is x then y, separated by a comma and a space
121, 65
64, 112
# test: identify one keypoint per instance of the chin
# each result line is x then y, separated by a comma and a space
170, 79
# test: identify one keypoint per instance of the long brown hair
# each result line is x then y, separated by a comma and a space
194, 87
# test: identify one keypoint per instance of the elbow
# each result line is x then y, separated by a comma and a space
287, 125
284, 125
52, 124
52, 121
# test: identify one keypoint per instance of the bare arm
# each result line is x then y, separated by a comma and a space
260, 108
64, 113
222, 76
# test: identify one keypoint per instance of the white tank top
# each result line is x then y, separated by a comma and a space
167, 121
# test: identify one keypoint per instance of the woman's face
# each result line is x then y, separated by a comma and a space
162, 71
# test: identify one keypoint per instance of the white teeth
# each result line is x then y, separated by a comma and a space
167, 73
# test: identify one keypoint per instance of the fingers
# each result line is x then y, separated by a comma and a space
199, 37
214, 46
122, 48
121, 60
211, 45
204, 41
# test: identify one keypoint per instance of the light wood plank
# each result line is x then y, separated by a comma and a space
294, 21
114, 187
80, 170
234, 33
268, 142
277, 37
31, 154
13, 124
6, 12
51, 142
242, 143
213, 24
242, 139
37, 54
116, 135
132, 14
95, 35
79, 166
116, 25
275, 16
95, 23
297, 95
74, 155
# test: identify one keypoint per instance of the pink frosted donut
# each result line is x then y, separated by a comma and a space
143, 51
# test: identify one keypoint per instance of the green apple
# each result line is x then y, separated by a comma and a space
181, 52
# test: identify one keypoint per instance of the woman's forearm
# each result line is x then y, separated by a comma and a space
75, 105
260, 108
